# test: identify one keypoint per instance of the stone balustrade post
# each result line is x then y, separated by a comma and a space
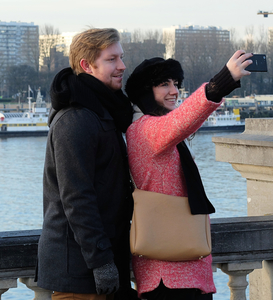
237, 277
6, 284
2, 291
251, 153
40, 294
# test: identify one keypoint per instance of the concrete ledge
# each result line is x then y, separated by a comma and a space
18, 250
244, 239
261, 126
252, 147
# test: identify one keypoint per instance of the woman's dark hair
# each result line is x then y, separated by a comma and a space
160, 110
152, 72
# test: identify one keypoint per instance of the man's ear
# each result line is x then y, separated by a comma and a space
86, 66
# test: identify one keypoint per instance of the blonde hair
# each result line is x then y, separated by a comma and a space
89, 44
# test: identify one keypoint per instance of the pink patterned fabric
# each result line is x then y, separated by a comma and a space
155, 166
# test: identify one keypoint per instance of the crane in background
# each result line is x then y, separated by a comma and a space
264, 13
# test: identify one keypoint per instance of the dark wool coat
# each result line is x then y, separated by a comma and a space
87, 202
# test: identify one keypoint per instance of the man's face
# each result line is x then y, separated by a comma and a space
109, 67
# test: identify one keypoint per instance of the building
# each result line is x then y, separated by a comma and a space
65, 42
19, 44
55, 61
202, 51
180, 40
54, 48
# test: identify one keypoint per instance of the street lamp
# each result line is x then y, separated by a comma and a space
264, 13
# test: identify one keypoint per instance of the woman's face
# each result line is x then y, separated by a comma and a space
166, 94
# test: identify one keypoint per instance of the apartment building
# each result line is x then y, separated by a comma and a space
184, 39
19, 44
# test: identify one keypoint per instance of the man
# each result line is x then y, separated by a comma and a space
83, 250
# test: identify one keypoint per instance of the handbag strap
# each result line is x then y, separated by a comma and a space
132, 179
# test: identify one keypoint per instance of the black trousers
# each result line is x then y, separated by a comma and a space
164, 293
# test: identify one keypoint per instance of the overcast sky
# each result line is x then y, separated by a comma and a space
73, 15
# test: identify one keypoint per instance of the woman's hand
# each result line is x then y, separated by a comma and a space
237, 64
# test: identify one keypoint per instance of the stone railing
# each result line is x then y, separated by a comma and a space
240, 245
18, 256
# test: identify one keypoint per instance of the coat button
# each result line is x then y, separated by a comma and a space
101, 245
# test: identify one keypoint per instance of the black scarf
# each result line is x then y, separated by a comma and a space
69, 89
198, 201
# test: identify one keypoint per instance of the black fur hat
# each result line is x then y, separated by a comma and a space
152, 72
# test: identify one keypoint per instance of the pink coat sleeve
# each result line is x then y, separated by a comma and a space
162, 133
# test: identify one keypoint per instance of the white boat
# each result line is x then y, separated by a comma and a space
223, 122
30, 123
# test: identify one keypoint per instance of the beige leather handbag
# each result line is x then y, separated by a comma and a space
163, 228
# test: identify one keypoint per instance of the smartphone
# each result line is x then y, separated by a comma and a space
259, 63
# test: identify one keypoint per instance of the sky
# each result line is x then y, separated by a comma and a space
76, 16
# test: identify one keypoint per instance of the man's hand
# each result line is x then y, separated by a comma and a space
237, 64
106, 278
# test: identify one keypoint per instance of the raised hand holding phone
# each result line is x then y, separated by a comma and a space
237, 64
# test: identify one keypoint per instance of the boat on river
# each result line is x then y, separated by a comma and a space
30, 123
227, 121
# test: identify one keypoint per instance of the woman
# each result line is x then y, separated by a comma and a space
161, 162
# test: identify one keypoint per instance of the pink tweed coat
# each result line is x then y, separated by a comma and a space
155, 166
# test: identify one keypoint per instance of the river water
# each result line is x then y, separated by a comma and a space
22, 160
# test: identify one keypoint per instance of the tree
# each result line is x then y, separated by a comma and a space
18, 78
249, 42
257, 82
154, 35
137, 36
235, 44
270, 67
145, 45
49, 39
52, 58
169, 41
